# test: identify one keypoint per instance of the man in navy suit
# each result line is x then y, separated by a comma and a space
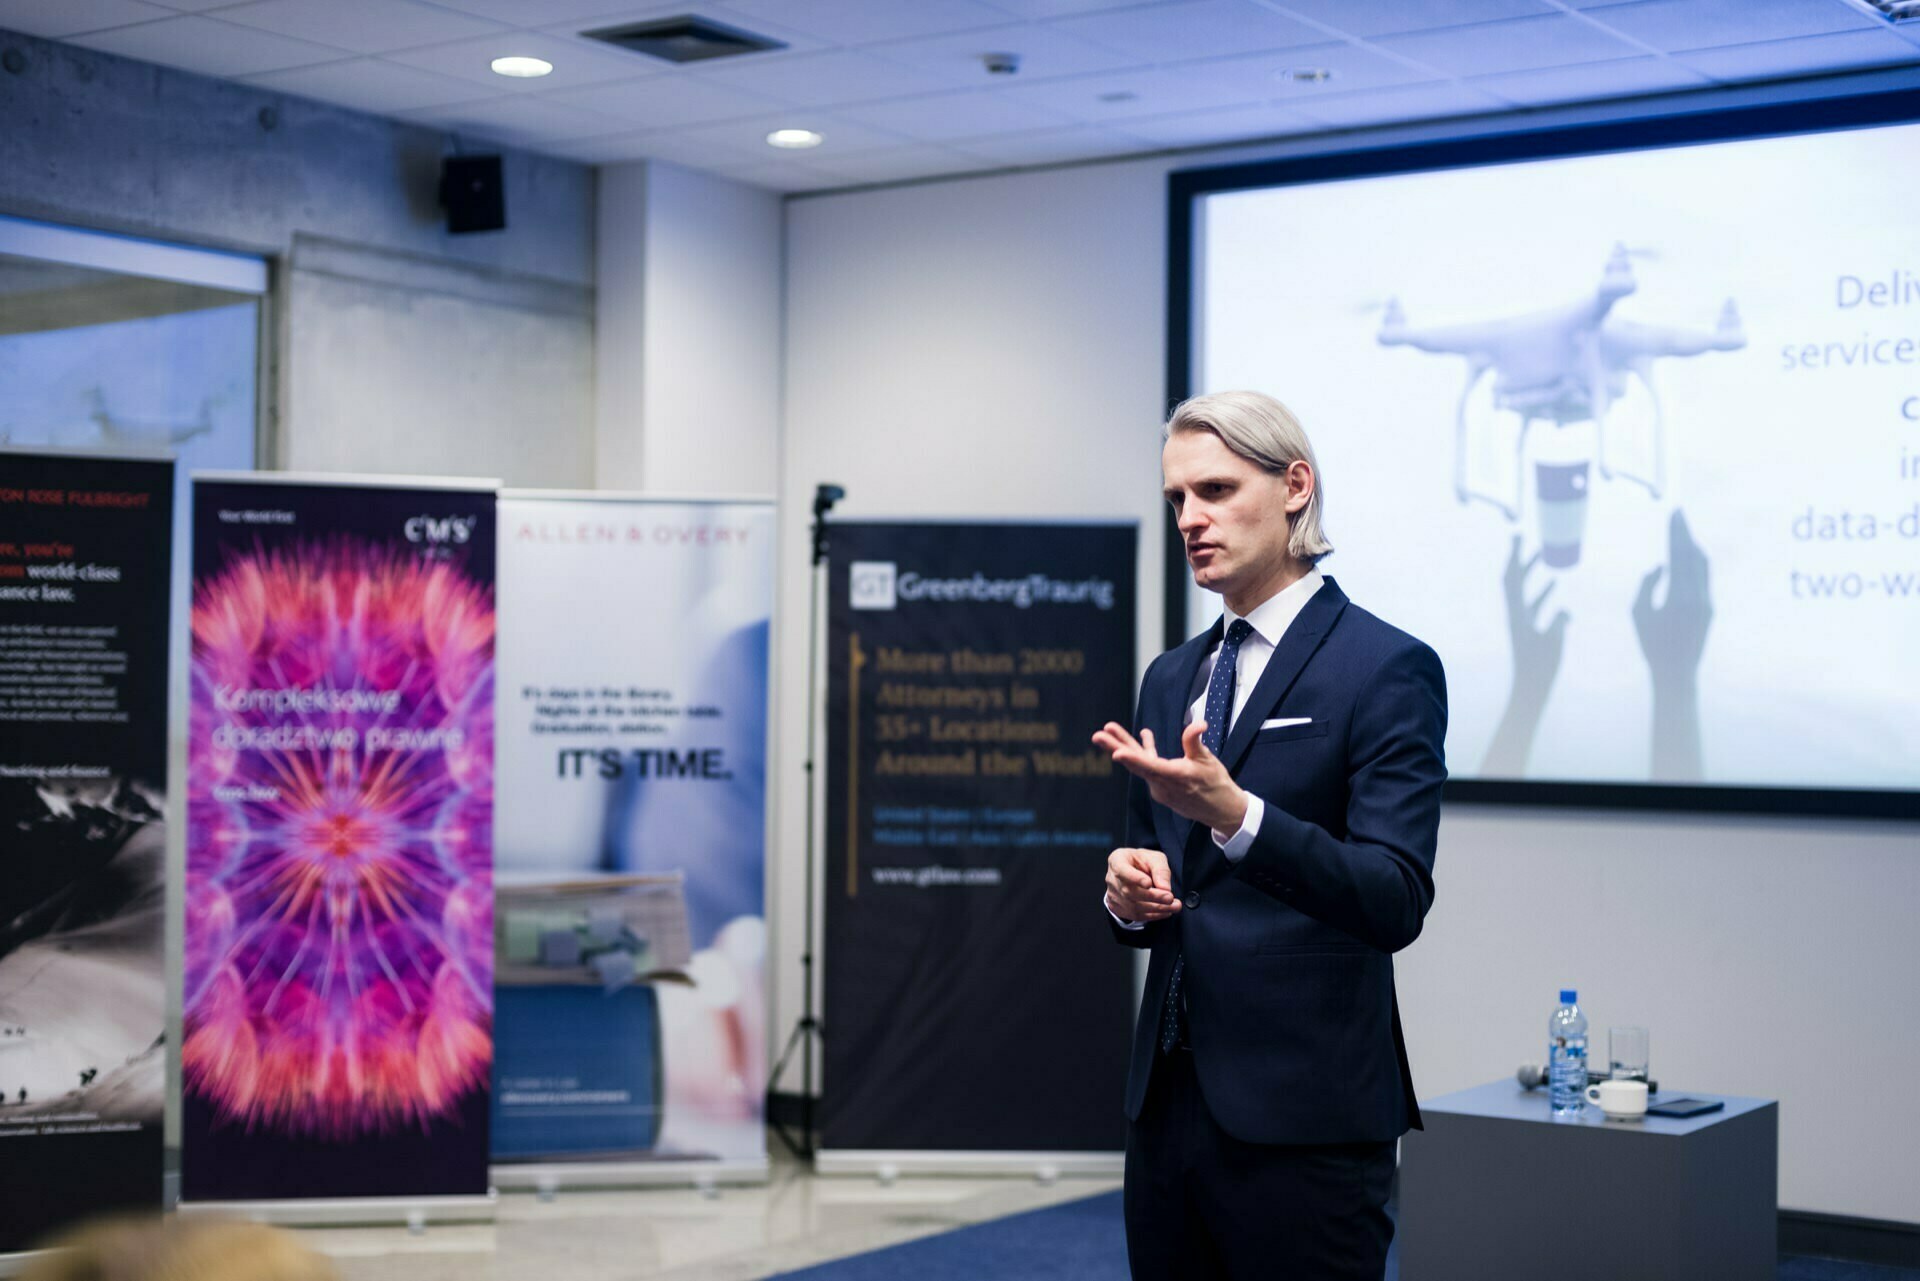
1281, 824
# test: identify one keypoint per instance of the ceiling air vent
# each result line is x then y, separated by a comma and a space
684, 39
1891, 10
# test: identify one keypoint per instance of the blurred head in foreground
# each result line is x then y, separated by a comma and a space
176, 1249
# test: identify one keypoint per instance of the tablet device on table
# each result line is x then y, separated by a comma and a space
1684, 1107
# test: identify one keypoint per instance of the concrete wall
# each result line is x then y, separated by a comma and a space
994, 347
387, 364
690, 332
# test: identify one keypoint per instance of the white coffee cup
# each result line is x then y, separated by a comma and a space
1620, 1100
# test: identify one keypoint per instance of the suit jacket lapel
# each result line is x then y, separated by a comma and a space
1303, 638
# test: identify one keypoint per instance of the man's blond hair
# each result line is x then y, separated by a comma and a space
1264, 432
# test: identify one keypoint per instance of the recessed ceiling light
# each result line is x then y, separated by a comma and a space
522, 68
1305, 75
794, 139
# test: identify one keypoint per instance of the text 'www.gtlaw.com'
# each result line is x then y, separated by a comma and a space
926, 877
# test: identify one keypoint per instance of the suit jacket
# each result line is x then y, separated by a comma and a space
1289, 969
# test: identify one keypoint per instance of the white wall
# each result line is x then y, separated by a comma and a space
995, 347
689, 332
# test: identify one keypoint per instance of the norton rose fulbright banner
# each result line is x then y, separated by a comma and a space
338, 968
975, 999
85, 557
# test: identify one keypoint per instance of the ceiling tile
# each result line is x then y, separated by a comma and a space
71, 17
666, 101
842, 137
1591, 81
781, 177
946, 116
367, 84
365, 26
1042, 9
1200, 29
1517, 45
515, 120
1366, 18
819, 79
669, 145
209, 47
1700, 24
1053, 146
542, 13
1237, 124
574, 63
1387, 106
1126, 94
903, 165
1809, 55
1043, 51
1261, 75
605, 149
865, 21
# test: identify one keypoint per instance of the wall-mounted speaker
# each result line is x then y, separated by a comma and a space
472, 193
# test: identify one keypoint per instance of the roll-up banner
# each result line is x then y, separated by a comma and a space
631, 1031
974, 999
338, 966
85, 553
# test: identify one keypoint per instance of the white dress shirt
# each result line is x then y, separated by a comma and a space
1270, 620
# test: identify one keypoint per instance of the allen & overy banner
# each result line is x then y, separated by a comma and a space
338, 967
632, 830
85, 555
974, 998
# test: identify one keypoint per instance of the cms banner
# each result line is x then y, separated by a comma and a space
974, 997
85, 550
632, 831
338, 968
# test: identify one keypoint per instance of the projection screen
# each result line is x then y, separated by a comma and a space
1623, 420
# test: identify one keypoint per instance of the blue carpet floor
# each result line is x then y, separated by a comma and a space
1085, 1241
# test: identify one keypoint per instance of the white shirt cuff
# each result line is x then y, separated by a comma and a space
1125, 925
1235, 847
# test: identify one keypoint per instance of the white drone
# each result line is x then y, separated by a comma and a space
1563, 365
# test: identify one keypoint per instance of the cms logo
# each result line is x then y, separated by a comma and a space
440, 531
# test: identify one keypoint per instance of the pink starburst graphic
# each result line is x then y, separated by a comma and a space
339, 933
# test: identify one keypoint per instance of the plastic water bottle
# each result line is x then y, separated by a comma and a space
1567, 1056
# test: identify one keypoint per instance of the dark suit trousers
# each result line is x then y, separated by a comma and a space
1201, 1204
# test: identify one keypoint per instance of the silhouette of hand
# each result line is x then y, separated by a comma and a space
1536, 649
1674, 635
1536, 661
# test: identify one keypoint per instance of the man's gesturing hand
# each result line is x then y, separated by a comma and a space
1195, 785
1140, 885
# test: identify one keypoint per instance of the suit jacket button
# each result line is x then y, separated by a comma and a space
1192, 900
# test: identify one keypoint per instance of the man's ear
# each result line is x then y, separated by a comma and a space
1300, 484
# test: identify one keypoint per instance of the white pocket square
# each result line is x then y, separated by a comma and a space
1284, 721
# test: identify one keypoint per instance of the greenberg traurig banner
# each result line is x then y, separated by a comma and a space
338, 1002
85, 556
974, 998
632, 828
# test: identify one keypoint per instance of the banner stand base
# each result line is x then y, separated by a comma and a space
1044, 1166
549, 1178
12, 1265
415, 1213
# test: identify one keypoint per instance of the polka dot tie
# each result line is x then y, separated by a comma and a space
1173, 1014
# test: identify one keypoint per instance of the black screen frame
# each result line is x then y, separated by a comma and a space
1187, 187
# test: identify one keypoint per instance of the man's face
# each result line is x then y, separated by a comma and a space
1232, 515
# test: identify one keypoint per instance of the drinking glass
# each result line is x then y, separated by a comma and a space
1627, 1053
